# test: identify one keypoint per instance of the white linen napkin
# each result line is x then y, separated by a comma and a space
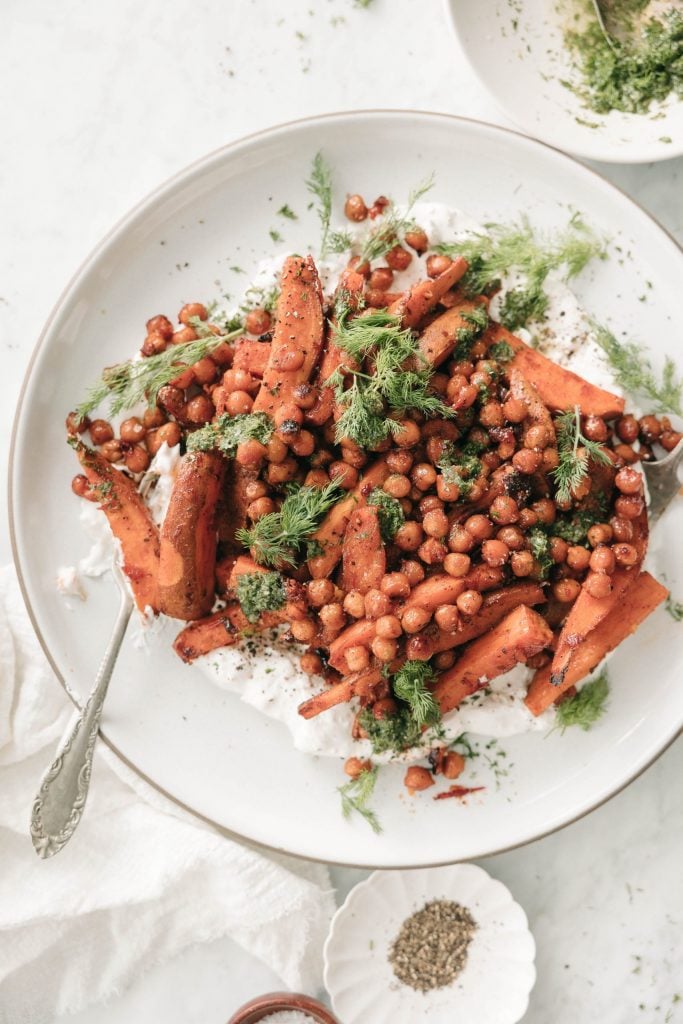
139, 882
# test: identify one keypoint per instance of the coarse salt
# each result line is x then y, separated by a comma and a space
290, 1017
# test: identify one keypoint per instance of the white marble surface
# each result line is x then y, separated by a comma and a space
102, 101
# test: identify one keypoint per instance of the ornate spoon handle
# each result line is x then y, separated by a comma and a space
59, 803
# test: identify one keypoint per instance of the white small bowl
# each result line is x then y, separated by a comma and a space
518, 52
495, 983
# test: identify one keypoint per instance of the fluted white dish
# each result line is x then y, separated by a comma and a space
494, 985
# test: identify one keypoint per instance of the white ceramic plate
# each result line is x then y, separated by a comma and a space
199, 744
492, 988
516, 48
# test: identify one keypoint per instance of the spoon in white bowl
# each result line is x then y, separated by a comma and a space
620, 27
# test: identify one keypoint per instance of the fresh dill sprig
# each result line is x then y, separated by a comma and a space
410, 684
319, 184
137, 380
276, 539
257, 297
356, 795
389, 512
585, 707
339, 241
575, 452
539, 543
379, 335
517, 247
633, 372
228, 432
393, 225
674, 608
477, 321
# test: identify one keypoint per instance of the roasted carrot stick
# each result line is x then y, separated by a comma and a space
639, 601
517, 638
341, 693
495, 607
364, 560
558, 387
360, 634
440, 338
330, 533
187, 556
253, 356
130, 522
526, 392
298, 335
423, 296
351, 285
437, 590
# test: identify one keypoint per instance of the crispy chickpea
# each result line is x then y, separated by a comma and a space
629, 481
600, 533
80, 485
650, 428
409, 536
354, 604
491, 414
512, 536
260, 507
495, 552
100, 432
408, 435
399, 258
132, 430
168, 434
172, 400
192, 309
256, 489
400, 461
460, 540
527, 518
161, 325
527, 461
431, 503
629, 507
537, 436
453, 765
456, 383
545, 511
628, 429
566, 590
76, 424
447, 617
384, 649
417, 778
312, 665
551, 459
479, 527
444, 660
432, 551
279, 472
154, 344
303, 630
200, 409
469, 602
184, 335
112, 450
154, 417
303, 445
395, 585
465, 397
415, 618
598, 584
435, 523
355, 208
413, 571
457, 564
238, 402
321, 592
258, 321
184, 379
240, 380
437, 264
252, 453
446, 491
504, 510
522, 563
388, 627
332, 615
578, 558
423, 476
377, 604
354, 767
137, 459
205, 371
602, 559
514, 410
625, 554
286, 413
357, 659
353, 456
558, 548
419, 648
669, 439
381, 279
626, 454
376, 299
397, 485
595, 429
417, 239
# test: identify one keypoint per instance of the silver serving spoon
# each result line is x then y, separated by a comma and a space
662, 481
59, 803
618, 29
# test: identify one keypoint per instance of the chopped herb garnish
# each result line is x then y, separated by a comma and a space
477, 320
540, 549
410, 684
575, 453
259, 592
674, 608
393, 225
277, 538
260, 298
393, 732
389, 513
459, 468
501, 352
633, 372
275, 235
574, 529
319, 184
339, 241
356, 795
288, 212
228, 432
585, 707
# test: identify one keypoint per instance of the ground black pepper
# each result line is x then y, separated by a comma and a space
431, 948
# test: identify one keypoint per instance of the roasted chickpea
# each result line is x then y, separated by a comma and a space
199, 409
460, 540
384, 649
457, 564
161, 325
409, 536
417, 239
514, 410
650, 428
578, 558
435, 523
437, 264
408, 434
192, 309
545, 511
558, 548
397, 486
629, 481
260, 507
628, 507
527, 461
551, 459
600, 533
447, 491
154, 417
388, 627
453, 765
377, 604
447, 617
252, 453
332, 616
137, 459
277, 472
238, 402
628, 429
469, 602
168, 433
522, 563
400, 461
669, 440
184, 380
355, 208
289, 416
357, 659
184, 335
495, 552
423, 476
602, 559
256, 489
444, 660
413, 571
172, 399
381, 279
625, 554
527, 518
321, 592
432, 551
303, 445
112, 450
504, 510
491, 414
598, 584
415, 618
154, 344
76, 424
479, 527
241, 380
354, 604
419, 648
595, 429
399, 258
417, 778
312, 665
431, 503
465, 397
258, 321
512, 536
303, 630
100, 432
80, 485
566, 590
376, 299
395, 585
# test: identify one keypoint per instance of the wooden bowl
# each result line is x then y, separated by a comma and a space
257, 1009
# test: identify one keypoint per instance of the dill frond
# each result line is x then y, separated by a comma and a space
228, 432
319, 184
410, 684
585, 707
633, 372
575, 453
356, 795
393, 225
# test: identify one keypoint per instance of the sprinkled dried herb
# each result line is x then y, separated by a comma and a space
431, 948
